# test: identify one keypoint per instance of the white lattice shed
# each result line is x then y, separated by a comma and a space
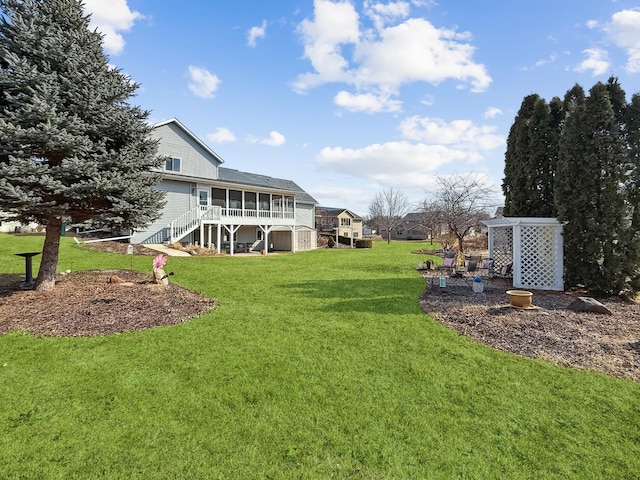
533, 246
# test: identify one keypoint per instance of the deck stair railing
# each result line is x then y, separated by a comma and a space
189, 221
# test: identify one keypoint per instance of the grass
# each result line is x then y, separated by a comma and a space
316, 365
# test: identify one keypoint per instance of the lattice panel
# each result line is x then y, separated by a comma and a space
538, 257
502, 247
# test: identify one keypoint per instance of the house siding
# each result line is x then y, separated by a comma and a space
179, 200
195, 161
305, 215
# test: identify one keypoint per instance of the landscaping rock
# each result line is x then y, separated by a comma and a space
588, 304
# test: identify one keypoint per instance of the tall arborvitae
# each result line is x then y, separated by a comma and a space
589, 196
71, 145
632, 186
540, 163
606, 151
618, 99
572, 199
515, 184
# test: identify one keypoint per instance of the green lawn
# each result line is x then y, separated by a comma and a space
316, 365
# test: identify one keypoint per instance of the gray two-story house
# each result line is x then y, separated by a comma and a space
211, 205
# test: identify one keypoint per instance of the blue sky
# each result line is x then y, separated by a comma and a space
348, 98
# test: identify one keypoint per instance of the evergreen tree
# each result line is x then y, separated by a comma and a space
590, 197
540, 163
608, 154
617, 96
632, 189
571, 195
516, 184
72, 147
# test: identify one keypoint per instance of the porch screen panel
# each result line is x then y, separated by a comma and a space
264, 201
219, 197
250, 200
235, 199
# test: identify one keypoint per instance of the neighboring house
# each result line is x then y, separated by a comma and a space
9, 225
212, 205
411, 228
329, 219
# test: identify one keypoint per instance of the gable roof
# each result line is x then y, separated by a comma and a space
413, 217
337, 211
188, 132
256, 180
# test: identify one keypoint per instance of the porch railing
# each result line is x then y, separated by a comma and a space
192, 219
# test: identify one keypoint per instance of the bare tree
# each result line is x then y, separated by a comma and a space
463, 202
431, 218
387, 208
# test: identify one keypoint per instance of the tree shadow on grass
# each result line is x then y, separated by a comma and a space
388, 296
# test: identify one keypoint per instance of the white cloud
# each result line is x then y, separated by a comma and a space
221, 135
275, 139
203, 83
391, 163
111, 18
550, 59
255, 33
461, 134
367, 102
334, 24
383, 13
429, 145
492, 112
330, 196
383, 60
597, 61
624, 30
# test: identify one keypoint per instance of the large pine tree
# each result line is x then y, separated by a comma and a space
71, 145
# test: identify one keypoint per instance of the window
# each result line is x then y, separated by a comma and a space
172, 164
203, 198
345, 222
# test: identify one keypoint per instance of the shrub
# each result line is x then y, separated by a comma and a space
364, 243
331, 242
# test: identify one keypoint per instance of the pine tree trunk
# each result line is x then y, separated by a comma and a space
47, 274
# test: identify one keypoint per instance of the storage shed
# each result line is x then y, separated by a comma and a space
533, 246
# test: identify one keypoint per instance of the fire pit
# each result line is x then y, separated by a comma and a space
519, 298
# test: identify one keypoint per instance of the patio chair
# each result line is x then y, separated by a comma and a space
472, 268
451, 254
506, 273
486, 268
448, 265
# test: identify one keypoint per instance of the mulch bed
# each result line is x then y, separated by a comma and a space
606, 343
87, 304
